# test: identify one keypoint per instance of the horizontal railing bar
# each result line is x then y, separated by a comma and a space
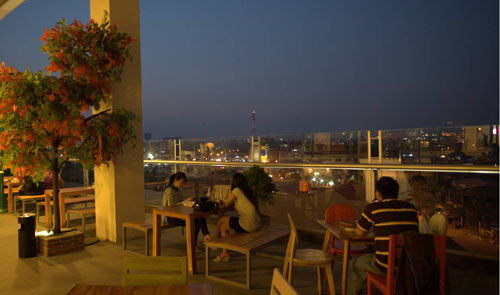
371, 166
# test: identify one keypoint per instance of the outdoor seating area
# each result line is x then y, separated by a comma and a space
102, 264
128, 166
262, 261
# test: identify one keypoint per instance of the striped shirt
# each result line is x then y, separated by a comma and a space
388, 217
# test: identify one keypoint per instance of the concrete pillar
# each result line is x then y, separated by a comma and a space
120, 188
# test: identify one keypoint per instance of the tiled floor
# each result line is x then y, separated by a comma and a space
100, 263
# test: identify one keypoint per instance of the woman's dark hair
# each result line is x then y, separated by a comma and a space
388, 187
240, 181
176, 176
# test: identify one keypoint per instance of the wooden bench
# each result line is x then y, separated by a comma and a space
146, 226
83, 212
244, 243
24, 199
67, 201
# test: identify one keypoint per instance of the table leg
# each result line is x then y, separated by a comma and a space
344, 266
156, 234
191, 253
10, 196
48, 214
62, 210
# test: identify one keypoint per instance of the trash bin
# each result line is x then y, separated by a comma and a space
26, 235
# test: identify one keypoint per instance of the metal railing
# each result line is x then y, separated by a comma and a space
372, 167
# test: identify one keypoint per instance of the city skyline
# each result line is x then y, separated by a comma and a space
304, 67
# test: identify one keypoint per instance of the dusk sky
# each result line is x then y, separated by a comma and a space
304, 66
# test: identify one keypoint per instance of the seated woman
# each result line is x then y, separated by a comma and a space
173, 196
247, 207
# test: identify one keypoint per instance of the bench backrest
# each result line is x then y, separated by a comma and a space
280, 286
154, 271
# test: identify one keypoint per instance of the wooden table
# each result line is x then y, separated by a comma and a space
184, 213
192, 289
349, 237
63, 192
12, 188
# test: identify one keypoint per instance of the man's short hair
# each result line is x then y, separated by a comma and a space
388, 187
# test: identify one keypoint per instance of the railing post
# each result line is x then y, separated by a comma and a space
369, 146
380, 146
251, 156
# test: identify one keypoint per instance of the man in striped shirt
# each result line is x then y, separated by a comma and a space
388, 216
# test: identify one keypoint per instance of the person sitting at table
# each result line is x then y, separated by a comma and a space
388, 216
30, 188
247, 207
172, 196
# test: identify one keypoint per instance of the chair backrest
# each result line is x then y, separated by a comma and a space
280, 285
395, 243
292, 244
337, 212
221, 192
150, 271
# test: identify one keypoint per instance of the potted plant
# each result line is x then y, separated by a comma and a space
262, 186
45, 115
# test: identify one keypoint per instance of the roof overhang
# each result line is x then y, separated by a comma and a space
7, 6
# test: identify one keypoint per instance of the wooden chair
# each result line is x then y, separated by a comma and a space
386, 284
339, 212
146, 226
307, 257
153, 271
280, 286
221, 192
83, 212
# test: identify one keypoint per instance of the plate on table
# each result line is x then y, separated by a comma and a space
348, 225
187, 203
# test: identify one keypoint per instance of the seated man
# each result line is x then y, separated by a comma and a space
387, 216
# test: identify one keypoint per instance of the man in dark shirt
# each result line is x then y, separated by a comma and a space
387, 216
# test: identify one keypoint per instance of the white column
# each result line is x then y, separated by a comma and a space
119, 188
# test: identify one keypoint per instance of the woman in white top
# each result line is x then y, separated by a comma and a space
247, 207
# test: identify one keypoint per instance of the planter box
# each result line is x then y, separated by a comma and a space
59, 244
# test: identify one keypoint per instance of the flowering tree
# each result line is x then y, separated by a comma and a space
44, 116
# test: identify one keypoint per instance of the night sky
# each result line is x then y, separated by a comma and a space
304, 66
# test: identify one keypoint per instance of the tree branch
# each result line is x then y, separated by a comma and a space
96, 115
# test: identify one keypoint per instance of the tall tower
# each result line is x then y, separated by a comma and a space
255, 143
253, 123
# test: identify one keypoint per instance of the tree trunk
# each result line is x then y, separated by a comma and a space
55, 197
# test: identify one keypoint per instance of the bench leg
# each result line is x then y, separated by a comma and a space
207, 261
23, 205
124, 242
83, 224
249, 270
146, 237
14, 204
